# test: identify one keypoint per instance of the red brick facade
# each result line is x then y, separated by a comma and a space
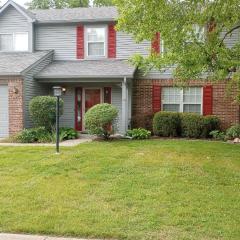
223, 105
15, 103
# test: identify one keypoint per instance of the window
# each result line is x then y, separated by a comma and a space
6, 42
96, 39
182, 100
21, 42
14, 42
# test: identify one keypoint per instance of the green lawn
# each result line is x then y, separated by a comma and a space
172, 189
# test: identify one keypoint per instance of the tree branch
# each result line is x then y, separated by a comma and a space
227, 33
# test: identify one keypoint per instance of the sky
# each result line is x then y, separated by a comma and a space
21, 2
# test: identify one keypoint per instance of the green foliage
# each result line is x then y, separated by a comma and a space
172, 124
194, 51
32, 135
42, 110
210, 123
138, 133
233, 132
218, 135
100, 3
166, 124
100, 118
68, 133
46, 4
191, 125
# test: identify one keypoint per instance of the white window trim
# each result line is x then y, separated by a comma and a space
86, 42
181, 103
13, 40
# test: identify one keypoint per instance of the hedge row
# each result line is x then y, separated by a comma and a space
171, 124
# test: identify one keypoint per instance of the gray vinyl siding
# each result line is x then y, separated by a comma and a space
232, 39
68, 117
13, 21
127, 47
32, 88
154, 74
60, 38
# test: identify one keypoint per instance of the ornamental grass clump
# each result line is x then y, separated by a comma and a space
99, 120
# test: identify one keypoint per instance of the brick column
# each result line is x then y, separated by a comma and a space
15, 99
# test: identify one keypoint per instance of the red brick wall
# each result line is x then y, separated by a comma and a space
223, 105
15, 103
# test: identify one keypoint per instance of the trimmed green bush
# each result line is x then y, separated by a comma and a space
166, 124
218, 135
233, 132
42, 110
210, 123
138, 133
100, 118
192, 125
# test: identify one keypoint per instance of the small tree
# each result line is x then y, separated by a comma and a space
43, 111
99, 120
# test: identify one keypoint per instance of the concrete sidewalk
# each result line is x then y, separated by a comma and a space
5, 236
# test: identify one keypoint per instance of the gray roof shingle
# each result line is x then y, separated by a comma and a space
87, 69
76, 14
17, 63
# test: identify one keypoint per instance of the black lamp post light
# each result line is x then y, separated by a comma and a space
57, 92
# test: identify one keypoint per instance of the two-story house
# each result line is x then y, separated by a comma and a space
80, 50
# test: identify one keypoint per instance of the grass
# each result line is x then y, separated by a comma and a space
172, 189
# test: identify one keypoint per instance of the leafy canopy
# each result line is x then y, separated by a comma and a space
46, 4
192, 52
100, 3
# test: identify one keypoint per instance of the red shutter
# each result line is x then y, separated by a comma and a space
207, 100
156, 98
156, 43
108, 95
80, 42
111, 41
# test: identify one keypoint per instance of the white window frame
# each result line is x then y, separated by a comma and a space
86, 41
181, 102
13, 41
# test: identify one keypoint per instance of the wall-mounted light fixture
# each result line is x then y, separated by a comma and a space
15, 90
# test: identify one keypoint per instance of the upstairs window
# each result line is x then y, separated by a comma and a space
96, 42
182, 100
14, 42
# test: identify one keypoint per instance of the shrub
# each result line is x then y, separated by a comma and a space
210, 123
43, 111
191, 125
138, 133
143, 121
218, 135
99, 119
31, 135
166, 124
233, 132
68, 133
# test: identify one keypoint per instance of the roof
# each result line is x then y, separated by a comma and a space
19, 63
87, 69
76, 14
29, 15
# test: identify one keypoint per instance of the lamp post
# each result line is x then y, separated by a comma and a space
57, 92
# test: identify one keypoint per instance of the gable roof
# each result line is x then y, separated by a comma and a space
26, 13
87, 69
91, 14
15, 64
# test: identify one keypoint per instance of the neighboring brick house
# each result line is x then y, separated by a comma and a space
80, 50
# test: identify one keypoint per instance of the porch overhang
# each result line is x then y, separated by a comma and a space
104, 70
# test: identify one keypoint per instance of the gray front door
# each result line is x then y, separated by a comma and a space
4, 120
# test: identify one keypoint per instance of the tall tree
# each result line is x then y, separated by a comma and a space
194, 34
100, 3
46, 4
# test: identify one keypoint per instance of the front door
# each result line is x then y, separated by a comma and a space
92, 97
